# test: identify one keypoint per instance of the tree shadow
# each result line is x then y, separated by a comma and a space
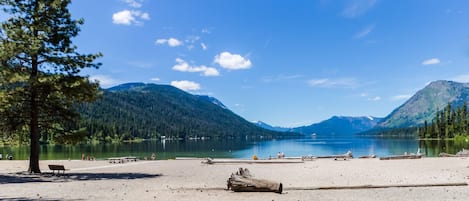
20, 178
33, 199
108, 176
48, 177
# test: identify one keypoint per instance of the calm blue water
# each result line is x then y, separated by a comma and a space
245, 148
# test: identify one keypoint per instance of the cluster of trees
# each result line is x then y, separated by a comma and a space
150, 111
448, 123
40, 69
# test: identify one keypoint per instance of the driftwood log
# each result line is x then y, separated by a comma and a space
462, 153
401, 157
345, 156
369, 156
243, 181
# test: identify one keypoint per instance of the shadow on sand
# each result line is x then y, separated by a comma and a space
48, 177
39, 198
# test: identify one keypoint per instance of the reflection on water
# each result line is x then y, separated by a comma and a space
244, 148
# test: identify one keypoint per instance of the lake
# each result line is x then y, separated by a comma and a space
244, 148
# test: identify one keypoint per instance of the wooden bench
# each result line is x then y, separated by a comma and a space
58, 168
116, 160
122, 159
131, 158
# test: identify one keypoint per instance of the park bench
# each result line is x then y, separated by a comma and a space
57, 168
122, 159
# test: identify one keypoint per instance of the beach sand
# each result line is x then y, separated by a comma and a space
192, 180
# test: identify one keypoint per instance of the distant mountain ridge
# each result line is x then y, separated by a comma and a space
149, 110
269, 127
424, 104
336, 125
339, 125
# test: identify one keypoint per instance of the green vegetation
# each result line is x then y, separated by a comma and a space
40, 73
423, 105
149, 111
448, 123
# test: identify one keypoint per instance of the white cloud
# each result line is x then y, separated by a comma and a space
205, 31
461, 78
376, 98
355, 8
232, 61
155, 79
145, 16
364, 32
104, 80
134, 3
204, 47
172, 42
333, 83
401, 97
431, 61
183, 66
186, 85
129, 17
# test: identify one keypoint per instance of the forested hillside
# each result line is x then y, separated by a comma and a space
138, 110
448, 123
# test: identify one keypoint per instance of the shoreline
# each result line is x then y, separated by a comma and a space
193, 180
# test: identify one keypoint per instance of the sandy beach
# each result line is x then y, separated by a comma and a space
192, 180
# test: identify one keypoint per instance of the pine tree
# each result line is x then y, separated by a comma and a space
39, 69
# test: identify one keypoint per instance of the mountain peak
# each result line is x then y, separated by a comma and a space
424, 104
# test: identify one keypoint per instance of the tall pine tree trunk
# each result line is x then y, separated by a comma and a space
34, 121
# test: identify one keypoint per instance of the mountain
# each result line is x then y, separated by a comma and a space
149, 111
212, 100
269, 127
425, 103
339, 125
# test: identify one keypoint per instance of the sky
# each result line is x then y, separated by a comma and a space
286, 63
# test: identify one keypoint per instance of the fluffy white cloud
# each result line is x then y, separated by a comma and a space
129, 17
155, 79
134, 3
401, 97
172, 42
104, 80
333, 83
376, 98
186, 85
232, 61
431, 61
183, 66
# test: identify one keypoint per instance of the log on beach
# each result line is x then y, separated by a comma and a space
401, 157
243, 181
369, 156
231, 161
443, 154
346, 155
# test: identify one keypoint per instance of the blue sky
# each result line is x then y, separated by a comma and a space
287, 63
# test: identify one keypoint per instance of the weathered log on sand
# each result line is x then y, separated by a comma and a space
442, 154
243, 181
369, 156
346, 155
401, 157
378, 186
230, 161
462, 153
